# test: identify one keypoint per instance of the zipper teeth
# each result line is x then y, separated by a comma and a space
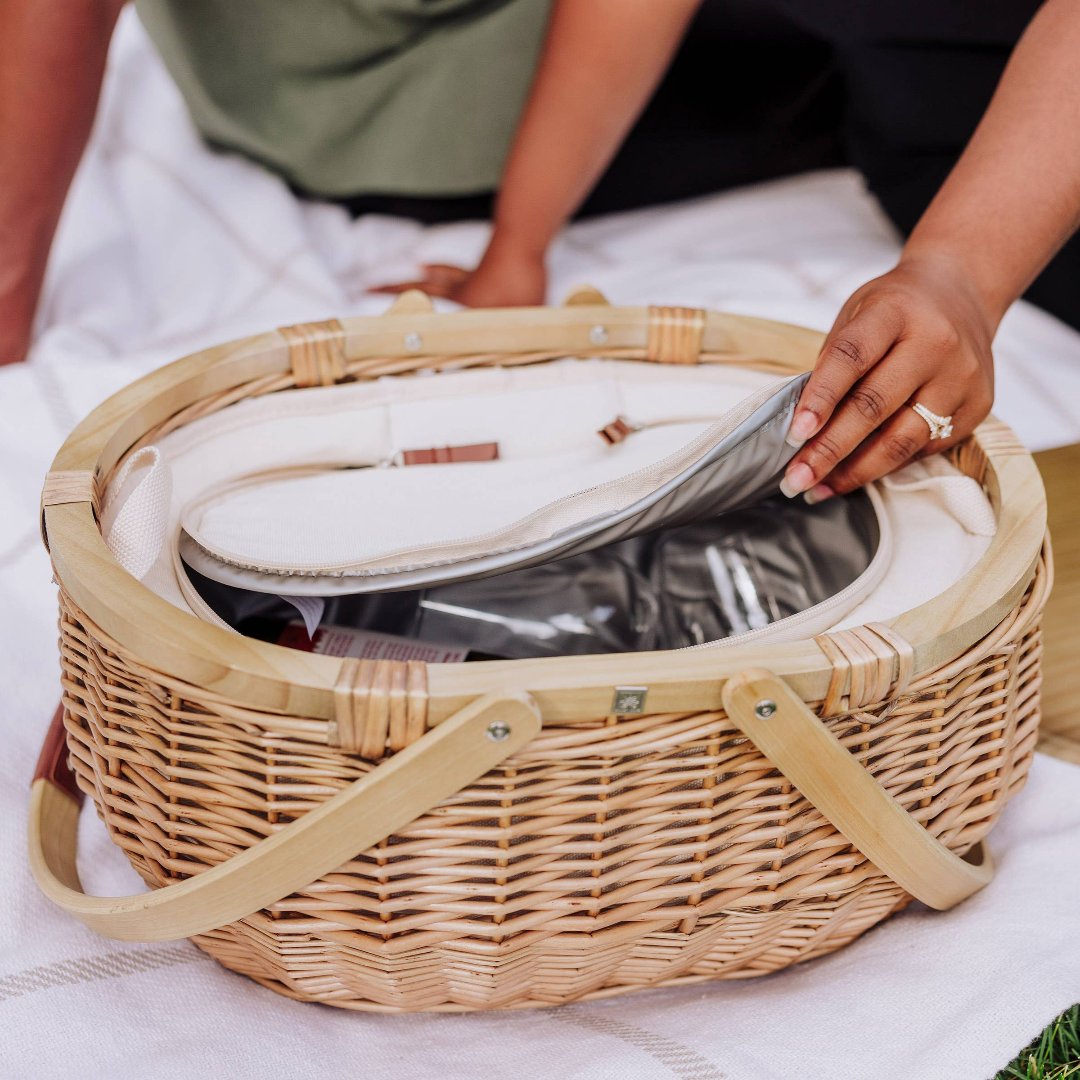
866, 580
191, 595
692, 450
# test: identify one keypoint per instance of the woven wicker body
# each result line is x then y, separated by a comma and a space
607, 852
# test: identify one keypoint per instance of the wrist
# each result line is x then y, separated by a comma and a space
948, 264
981, 274
519, 241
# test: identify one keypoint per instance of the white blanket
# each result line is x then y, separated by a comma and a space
165, 248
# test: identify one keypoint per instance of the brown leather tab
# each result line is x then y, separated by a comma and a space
451, 455
616, 431
586, 296
52, 762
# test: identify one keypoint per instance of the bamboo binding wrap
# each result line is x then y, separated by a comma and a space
587, 856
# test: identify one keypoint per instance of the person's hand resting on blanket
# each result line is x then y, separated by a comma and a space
919, 334
577, 114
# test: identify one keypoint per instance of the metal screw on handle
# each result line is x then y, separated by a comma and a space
498, 730
765, 708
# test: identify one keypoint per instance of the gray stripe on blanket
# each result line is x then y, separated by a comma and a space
683, 1062
92, 968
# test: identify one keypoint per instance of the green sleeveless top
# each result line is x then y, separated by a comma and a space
356, 97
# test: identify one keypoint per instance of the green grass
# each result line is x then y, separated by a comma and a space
1054, 1055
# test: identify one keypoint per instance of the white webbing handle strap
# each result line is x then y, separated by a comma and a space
780, 724
448, 758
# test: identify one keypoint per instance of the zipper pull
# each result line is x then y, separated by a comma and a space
617, 430
621, 427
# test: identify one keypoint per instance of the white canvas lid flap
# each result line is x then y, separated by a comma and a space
355, 530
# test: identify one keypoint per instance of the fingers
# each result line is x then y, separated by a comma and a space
905, 436
852, 348
439, 280
399, 287
444, 274
868, 405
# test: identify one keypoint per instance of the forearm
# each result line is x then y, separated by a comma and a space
52, 57
600, 64
1014, 197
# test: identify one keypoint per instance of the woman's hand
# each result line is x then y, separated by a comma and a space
920, 333
577, 114
506, 277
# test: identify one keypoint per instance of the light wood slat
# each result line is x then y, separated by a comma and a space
834, 781
1060, 732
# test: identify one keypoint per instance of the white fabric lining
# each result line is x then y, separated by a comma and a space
936, 522
319, 427
310, 523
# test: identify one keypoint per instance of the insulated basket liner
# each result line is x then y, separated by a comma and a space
360, 529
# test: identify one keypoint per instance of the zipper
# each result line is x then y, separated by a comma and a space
192, 596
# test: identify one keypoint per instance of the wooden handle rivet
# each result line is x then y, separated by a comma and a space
498, 730
413, 342
598, 335
765, 708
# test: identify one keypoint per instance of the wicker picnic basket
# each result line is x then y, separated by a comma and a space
383, 836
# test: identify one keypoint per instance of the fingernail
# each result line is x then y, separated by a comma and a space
803, 425
818, 494
799, 477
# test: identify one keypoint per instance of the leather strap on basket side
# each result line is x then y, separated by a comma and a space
675, 335
52, 762
379, 705
316, 352
869, 664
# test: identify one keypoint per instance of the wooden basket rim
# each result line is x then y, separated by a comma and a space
182, 648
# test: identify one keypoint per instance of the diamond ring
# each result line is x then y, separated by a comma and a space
940, 426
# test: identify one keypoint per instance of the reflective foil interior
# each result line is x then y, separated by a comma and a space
671, 588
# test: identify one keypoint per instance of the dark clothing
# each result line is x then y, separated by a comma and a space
767, 88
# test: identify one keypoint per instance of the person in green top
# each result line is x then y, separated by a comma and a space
417, 106
395, 97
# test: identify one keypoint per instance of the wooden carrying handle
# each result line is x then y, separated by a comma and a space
779, 723
448, 758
